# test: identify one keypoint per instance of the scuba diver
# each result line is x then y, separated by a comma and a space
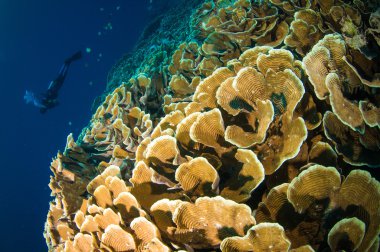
49, 99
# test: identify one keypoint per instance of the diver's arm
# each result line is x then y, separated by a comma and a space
29, 97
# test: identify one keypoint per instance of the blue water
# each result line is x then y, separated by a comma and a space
35, 37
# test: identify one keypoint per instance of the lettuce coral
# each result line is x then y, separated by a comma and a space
256, 128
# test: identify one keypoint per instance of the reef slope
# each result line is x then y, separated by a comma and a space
236, 125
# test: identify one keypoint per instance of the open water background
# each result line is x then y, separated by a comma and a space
35, 38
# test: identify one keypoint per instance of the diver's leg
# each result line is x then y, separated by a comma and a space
75, 56
58, 81
63, 71
65, 66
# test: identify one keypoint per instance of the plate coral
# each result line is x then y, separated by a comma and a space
245, 126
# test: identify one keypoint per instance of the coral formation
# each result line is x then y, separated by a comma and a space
256, 130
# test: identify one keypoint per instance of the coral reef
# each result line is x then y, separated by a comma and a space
256, 129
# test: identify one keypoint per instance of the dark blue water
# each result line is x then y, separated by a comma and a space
35, 37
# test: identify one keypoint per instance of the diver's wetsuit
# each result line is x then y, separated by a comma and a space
48, 99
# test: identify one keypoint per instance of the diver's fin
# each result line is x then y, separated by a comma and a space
75, 56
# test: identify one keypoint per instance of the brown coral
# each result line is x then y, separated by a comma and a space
245, 179
208, 129
320, 199
347, 111
333, 77
353, 228
302, 193
356, 148
117, 239
291, 6
261, 237
283, 145
219, 218
206, 90
198, 177
259, 120
346, 19
226, 118
326, 54
305, 31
